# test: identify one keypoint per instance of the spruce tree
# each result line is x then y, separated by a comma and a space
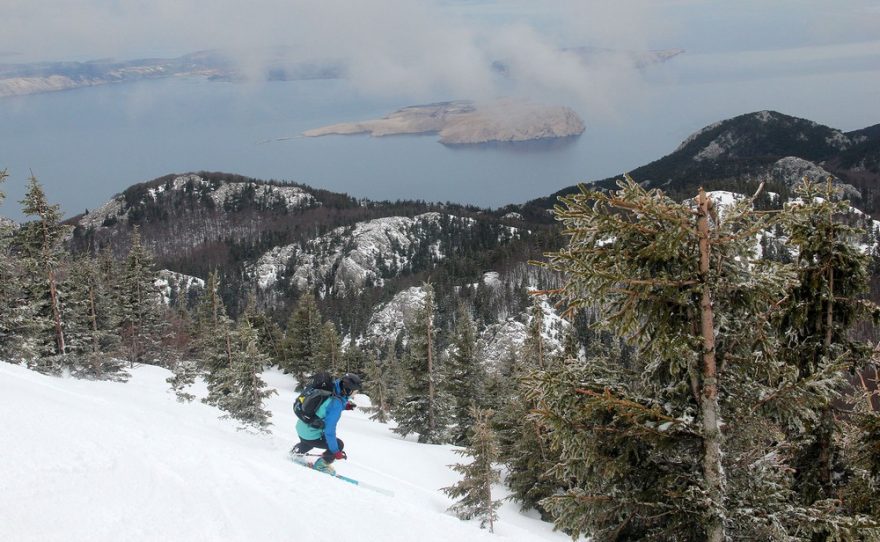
376, 386
328, 355
524, 437
10, 292
354, 359
644, 446
245, 390
269, 332
92, 322
464, 376
816, 323
534, 349
395, 372
213, 342
419, 411
860, 489
39, 243
475, 488
303, 339
141, 319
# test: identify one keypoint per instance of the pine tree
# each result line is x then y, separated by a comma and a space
860, 490
475, 488
329, 349
524, 437
303, 338
816, 324
464, 376
213, 343
354, 359
419, 411
185, 368
245, 389
10, 292
643, 445
141, 320
376, 386
40, 245
92, 322
534, 349
270, 334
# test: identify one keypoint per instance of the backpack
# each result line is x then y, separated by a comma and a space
318, 388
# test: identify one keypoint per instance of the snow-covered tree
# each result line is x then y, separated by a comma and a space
141, 318
376, 386
474, 490
245, 390
10, 292
92, 322
213, 342
328, 355
642, 440
816, 322
39, 244
464, 375
534, 350
525, 443
643, 445
420, 411
303, 339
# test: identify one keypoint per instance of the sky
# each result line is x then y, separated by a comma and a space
412, 47
109, 461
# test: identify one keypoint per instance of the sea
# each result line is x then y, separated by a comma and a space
88, 144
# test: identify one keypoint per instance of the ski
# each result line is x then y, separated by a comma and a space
303, 460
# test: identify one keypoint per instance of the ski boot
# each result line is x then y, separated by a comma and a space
322, 466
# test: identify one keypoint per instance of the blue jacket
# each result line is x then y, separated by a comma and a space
330, 411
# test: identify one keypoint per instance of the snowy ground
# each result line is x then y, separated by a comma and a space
108, 461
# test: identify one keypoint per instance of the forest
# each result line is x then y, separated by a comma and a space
712, 376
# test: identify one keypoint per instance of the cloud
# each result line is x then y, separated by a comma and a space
420, 49
402, 47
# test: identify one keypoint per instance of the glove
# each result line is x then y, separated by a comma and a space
350, 406
330, 457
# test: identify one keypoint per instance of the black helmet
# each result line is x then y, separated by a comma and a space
349, 383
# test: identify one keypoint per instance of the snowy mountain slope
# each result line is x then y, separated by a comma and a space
735, 153
496, 341
121, 207
350, 258
172, 284
108, 461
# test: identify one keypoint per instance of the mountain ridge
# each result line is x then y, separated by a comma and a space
743, 150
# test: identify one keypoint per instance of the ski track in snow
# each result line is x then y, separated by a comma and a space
105, 461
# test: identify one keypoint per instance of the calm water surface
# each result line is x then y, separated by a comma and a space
88, 144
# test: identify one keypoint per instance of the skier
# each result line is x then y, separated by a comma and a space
330, 411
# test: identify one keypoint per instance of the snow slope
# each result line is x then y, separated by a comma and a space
98, 461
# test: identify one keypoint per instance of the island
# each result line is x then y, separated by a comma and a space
466, 122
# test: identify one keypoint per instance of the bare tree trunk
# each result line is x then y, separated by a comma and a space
712, 437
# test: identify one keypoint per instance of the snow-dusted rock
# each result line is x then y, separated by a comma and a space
291, 197
389, 319
172, 282
791, 170
350, 258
